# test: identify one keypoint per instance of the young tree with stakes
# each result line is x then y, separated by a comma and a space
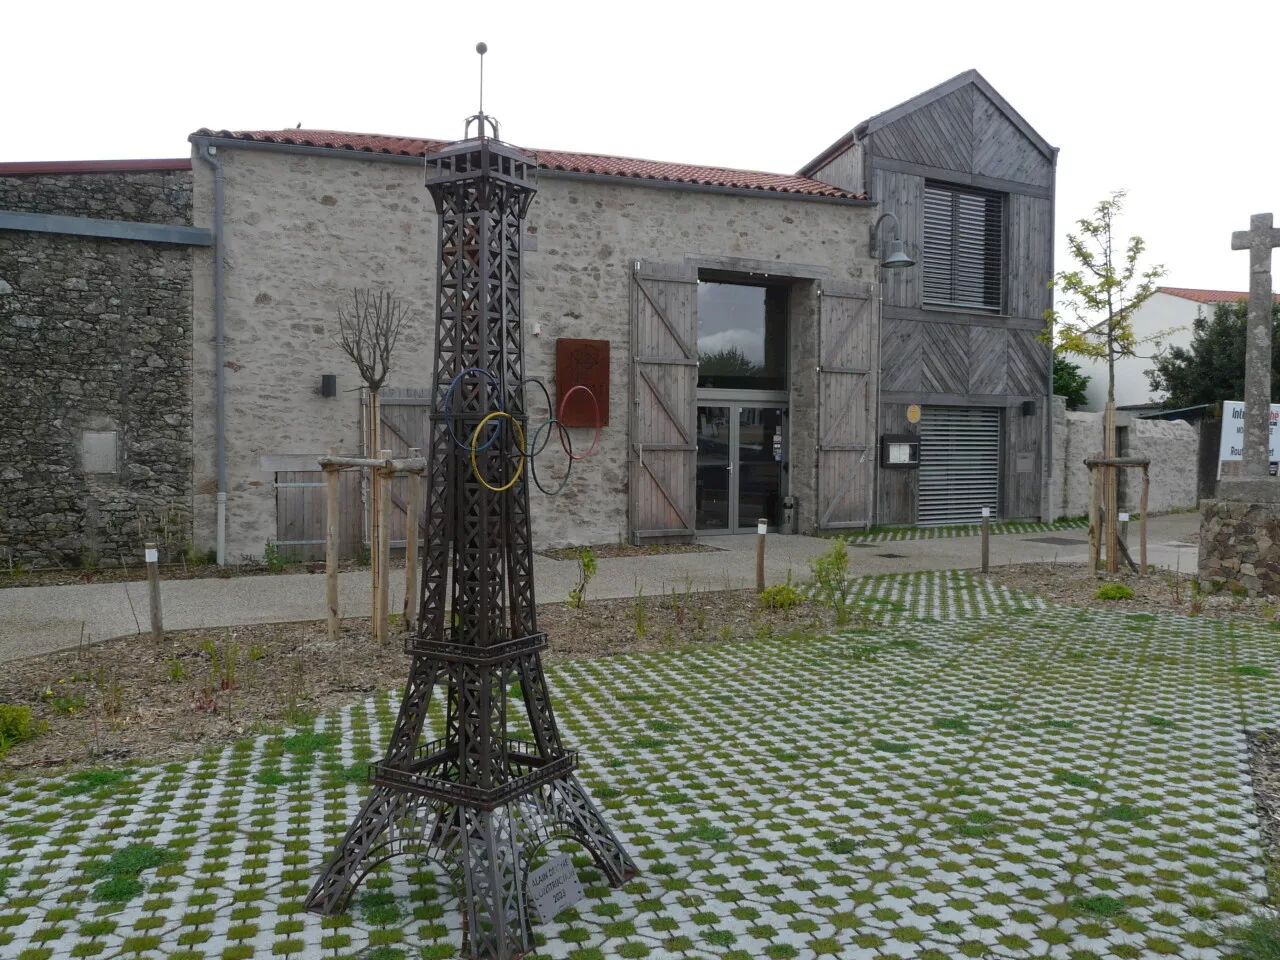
1099, 298
368, 331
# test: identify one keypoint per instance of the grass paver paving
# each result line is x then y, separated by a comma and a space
980, 776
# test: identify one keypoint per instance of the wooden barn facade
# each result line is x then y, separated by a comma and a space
962, 365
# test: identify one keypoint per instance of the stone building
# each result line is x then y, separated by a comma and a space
740, 312
95, 359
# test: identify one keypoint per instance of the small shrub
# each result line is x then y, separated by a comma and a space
1114, 591
272, 557
586, 570
781, 596
15, 726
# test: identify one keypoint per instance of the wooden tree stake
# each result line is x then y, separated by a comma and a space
762, 529
412, 497
332, 477
1112, 492
384, 547
152, 556
1095, 534
986, 539
1142, 522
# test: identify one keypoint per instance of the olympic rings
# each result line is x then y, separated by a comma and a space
533, 464
550, 411
560, 418
448, 398
475, 438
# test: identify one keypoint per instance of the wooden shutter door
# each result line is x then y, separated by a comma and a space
664, 391
848, 365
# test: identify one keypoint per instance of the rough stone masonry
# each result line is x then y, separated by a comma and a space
95, 372
1240, 533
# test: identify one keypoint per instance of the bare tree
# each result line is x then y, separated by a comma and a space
368, 331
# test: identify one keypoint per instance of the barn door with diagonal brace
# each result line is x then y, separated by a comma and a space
664, 385
848, 358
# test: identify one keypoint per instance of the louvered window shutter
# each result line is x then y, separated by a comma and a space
963, 247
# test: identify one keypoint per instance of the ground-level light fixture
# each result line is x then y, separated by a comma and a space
897, 257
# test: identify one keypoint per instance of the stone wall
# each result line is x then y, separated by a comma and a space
301, 231
1240, 547
1172, 447
95, 335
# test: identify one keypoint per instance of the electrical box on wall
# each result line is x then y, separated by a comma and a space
899, 450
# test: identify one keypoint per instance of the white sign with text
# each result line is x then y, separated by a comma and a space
1232, 447
553, 887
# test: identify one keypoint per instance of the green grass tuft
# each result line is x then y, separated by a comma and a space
91, 780
952, 724
310, 742
888, 746
1258, 939
1248, 671
1114, 591
1076, 779
118, 889
1100, 906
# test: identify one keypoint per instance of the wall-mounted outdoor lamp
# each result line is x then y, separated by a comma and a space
897, 257
328, 384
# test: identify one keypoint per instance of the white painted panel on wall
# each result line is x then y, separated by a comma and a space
98, 451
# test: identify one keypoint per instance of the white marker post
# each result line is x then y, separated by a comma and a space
762, 528
986, 539
152, 556
1124, 527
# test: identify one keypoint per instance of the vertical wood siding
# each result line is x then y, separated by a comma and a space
902, 195
664, 380
846, 406
898, 488
1023, 435
1030, 255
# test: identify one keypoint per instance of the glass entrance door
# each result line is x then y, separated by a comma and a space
714, 469
742, 465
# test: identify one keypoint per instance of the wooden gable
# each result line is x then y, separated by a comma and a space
966, 127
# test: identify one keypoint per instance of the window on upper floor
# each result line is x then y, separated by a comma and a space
963, 247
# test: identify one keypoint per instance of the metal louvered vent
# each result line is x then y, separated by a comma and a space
963, 247
959, 464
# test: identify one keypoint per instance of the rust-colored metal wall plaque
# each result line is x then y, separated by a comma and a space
582, 363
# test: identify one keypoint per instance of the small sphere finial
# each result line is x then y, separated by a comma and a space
482, 48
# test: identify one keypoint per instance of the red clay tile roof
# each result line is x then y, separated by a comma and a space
24, 168
1207, 296
589, 163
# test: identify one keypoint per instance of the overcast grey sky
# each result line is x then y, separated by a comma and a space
1175, 102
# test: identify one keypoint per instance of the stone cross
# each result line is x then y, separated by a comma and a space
1259, 239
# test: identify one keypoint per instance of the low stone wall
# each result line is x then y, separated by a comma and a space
95, 373
1240, 546
1172, 446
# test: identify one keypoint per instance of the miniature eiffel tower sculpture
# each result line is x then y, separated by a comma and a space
478, 799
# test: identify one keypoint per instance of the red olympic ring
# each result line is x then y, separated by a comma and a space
560, 418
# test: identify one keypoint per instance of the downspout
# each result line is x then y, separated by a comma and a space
209, 154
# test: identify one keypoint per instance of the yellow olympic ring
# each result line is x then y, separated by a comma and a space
475, 440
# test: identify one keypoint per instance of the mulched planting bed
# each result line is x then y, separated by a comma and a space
1264, 761
1162, 592
130, 700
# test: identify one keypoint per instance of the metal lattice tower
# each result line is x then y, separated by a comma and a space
478, 799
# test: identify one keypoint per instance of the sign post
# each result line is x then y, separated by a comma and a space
1231, 447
